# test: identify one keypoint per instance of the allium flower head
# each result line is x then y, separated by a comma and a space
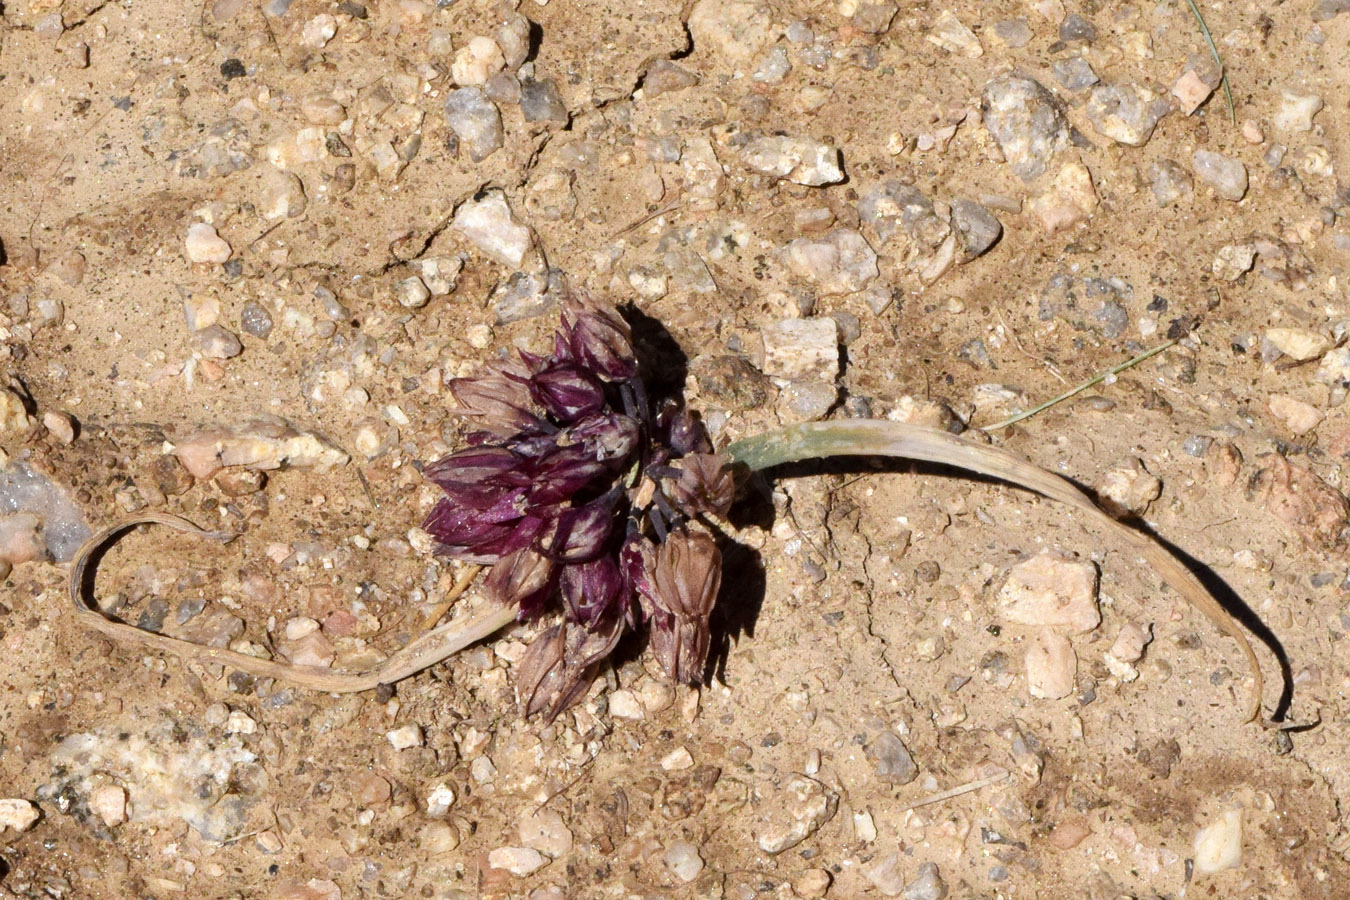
584, 498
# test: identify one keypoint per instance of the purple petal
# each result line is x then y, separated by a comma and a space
567, 392
582, 532
593, 590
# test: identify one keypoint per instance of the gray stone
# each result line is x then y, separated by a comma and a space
664, 77
840, 262
1227, 176
892, 205
798, 159
1027, 121
254, 319
475, 121
1170, 182
540, 102
1076, 28
874, 17
1074, 74
1016, 33
927, 885
504, 87
1126, 113
891, 759
525, 296
976, 228
1328, 9
217, 342
886, 875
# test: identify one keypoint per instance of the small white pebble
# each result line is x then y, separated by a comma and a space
299, 626
240, 723
204, 245
623, 704
517, 860
440, 799
479, 336
677, 760
60, 425
17, 814
683, 860
109, 803
1218, 846
405, 736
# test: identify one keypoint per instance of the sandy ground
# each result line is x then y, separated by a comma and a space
866, 666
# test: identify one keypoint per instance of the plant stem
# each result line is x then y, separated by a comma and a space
1214, 51
870, 437
1078, 389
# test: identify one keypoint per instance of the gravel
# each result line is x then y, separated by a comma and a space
1227, 176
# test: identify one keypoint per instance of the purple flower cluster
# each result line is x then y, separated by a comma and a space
574, 487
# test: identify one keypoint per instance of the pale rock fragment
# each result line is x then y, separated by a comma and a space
488, 224
1126, 113
624, 704
738, 30
263, 444
886, 875
204, 245
518, 861
17, 815
683, 860
109, 803
839, 262
1297, 111
1192, 90
1070, 200
21, 538
665, 76
308, 145
1233, 261
14, 417
283, 194
1050, 589
1299, 417
544, 830
1051, 664
802, 348
1299, 344
217, 342
1027, 121
927, 884
1129, 488
477, 61
59, 425
793, 814
411, 292
952, 35
440, 274
1227, 176
476, 122
322, 109
405, 737
318, 31
1218, 845
798, 159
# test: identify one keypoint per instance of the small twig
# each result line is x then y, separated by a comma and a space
1097, 379
461, 585
968, 787
633, 226
1214, 51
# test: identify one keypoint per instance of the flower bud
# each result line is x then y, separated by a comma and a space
599, 338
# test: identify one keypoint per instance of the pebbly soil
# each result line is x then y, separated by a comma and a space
865, 665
